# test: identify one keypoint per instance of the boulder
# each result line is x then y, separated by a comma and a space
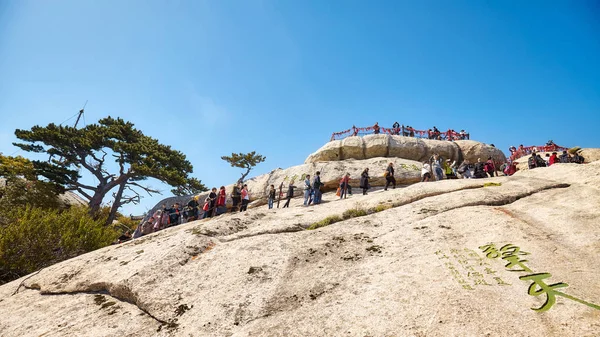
590, 154
473, 150
426, 260
410, 148
352, 148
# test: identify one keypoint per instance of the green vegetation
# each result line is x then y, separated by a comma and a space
379, 208
325, 222
244, 160
353, 213
89, 150
492, 184
33, 237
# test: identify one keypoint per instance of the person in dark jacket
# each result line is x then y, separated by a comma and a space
192, 205
271, 196
317, 188
290, 195
364, 181
479, 171
174, 214
236, 197
564, 157
389, 177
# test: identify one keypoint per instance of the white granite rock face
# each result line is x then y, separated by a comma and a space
419, 268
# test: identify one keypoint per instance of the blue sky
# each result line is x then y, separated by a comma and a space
214, 77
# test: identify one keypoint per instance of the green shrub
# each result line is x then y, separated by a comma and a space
353, 213
325, 222
32, 238
379, 208
492, 184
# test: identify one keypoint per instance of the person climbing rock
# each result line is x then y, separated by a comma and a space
389, 176
290, 195
364, 181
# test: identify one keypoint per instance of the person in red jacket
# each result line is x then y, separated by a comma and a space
553, 159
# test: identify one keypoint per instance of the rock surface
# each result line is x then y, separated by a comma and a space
415, 269
410, 148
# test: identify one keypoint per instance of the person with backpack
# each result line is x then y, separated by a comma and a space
490, 168
389, 177
206, 208
290, 194
364, 181
539, 161
245, 198
174, 214
271, 196
531, 162
236, 197
307, 191
317, 184
192, 213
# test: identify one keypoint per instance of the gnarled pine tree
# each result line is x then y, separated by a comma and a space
137, 157
244, 160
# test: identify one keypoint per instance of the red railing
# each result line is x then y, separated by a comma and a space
526, 150
401, 131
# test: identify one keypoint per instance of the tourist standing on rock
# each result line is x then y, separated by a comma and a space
450, 169
206, 208
564, 157
389, 176
317, 188
290, 194
236, 197
396, 128
425, 172
271, 196
436, 164
465, 169
553, 159
212, 196
376, 128
531, 161
174, 214
221, 199
345, 188
245, 198
364, 180
490, 168
192, 209
307, 191
479, 171
354, 131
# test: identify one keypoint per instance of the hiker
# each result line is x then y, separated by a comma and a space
174, 214
436, 133
221, 199
490, 168
364, 180
354, 131
396, 128
212, 196
426, 172
290, 194
236, 196
192, 213
539, 162
245, 198
345, 187
531, 161
307, 191
316, 187
271, 196
158, 215
206, 208
389, 176
462, 134
553, 159
511, 168
376, 128
449, 169
437, 166
147, 226
465, 169
479, 171
564, 157
577, 158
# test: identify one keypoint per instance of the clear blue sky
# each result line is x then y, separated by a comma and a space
213, 77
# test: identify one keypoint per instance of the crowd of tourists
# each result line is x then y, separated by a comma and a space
398, 129
435, 169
